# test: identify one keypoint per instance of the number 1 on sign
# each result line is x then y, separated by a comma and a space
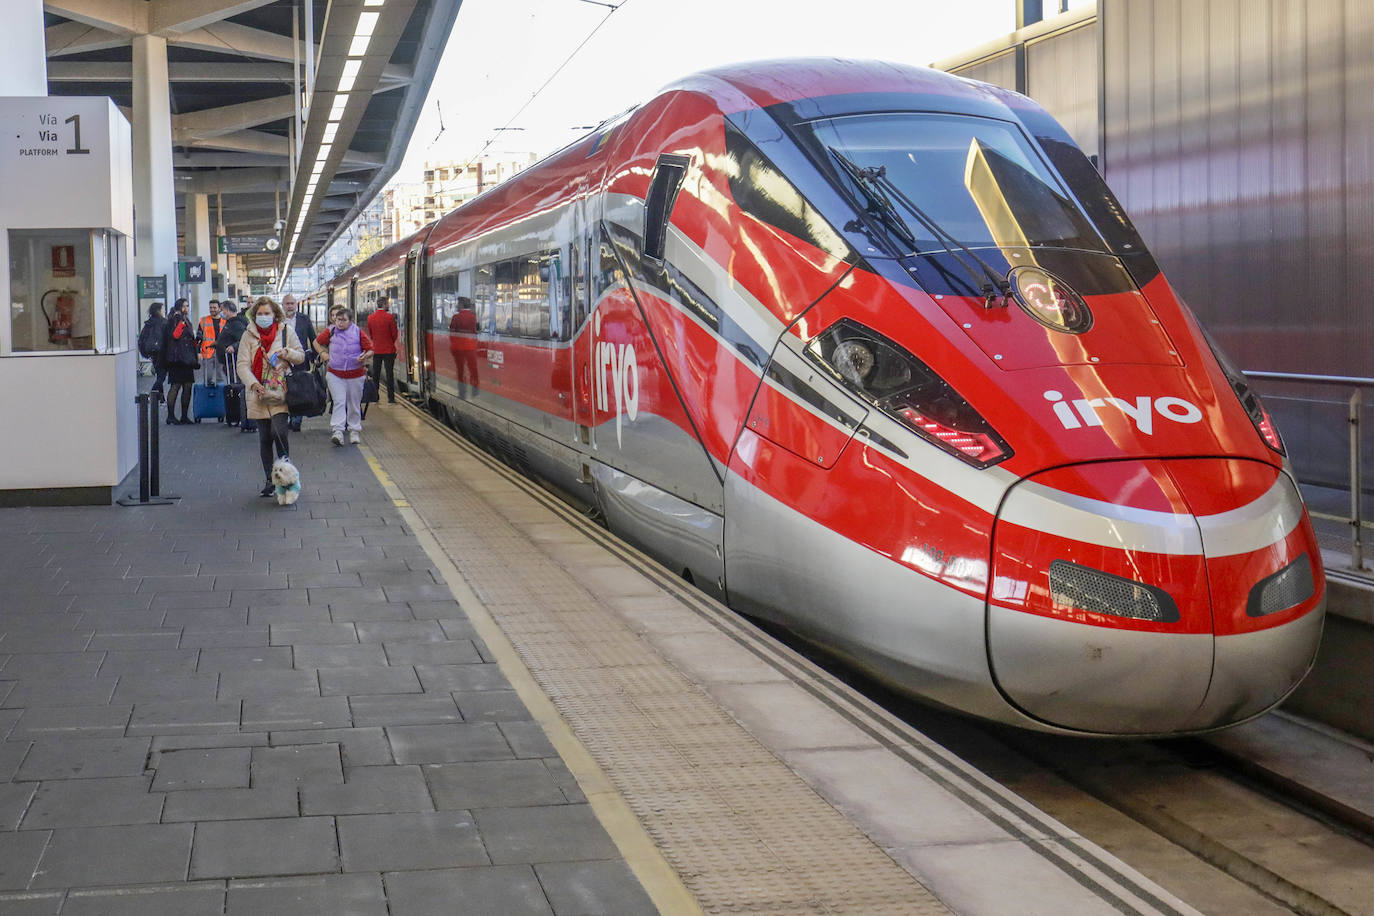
75, 121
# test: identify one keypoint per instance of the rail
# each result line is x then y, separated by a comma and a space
1357, 385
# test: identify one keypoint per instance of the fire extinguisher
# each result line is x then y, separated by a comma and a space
60, 322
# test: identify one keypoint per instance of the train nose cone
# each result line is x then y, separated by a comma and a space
1118, 588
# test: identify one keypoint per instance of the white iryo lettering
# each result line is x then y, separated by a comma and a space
1142, 410
615, 370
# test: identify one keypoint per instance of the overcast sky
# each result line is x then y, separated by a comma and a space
502, 51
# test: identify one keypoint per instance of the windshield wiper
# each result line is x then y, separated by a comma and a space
880, 191
878, 203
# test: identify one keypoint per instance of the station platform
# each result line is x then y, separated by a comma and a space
431, 687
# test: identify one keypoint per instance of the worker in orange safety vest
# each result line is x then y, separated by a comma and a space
209, 329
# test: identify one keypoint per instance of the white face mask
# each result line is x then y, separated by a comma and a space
265, 321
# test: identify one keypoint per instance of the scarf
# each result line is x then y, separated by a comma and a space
265, 341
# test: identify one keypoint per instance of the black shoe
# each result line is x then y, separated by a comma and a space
391, 400
294, 426
268, 490
171, 420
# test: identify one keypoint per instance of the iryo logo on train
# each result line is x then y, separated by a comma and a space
615, 369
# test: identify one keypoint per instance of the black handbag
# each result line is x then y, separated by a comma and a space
305, 394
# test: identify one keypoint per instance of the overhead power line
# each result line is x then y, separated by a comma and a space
552, 76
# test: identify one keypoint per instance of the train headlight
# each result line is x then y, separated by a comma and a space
906, 389
1249, 398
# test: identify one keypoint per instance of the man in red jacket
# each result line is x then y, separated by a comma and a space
381, 327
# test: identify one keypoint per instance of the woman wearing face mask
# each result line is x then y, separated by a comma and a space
264, 351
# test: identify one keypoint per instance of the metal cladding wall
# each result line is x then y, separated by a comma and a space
1239, 134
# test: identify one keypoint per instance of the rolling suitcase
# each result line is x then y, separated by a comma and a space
207, 400
233, 396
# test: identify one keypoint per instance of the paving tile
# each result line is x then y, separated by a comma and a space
432, 610
138, 639
559, 833
19, 855
491, 705
404, 709
14, 801
447, 743
527, 739
296, 712
38, 691
339, 656
163, 743
17, 642
303, 764
492, 784
93, 803
224, 637
195, 899
270, 598
230, 804
387, 631
511, 890
580, 888
84, 758
324, 580
120, 620
448, 678
184, 717
95, 856
370, 790
336, 895
391, 579
72, 721
370, 612
316, 634
372, 680
244, 658
252, 582
294, 614
206, 618
347, 595
53, 665
404, 842
192, 601
268, 684
202, 768
108, 602
459, 652
359, 746
166, 661
273, 846
198, 580
459, 628
146, 688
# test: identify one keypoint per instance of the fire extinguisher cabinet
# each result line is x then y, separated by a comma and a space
68, 365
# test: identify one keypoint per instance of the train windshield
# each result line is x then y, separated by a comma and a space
973, 181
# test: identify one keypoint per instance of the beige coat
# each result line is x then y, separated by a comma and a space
287, 343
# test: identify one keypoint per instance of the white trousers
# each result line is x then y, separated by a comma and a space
348, 402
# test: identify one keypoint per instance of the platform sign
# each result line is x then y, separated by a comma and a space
251, 244
191, 271
152, 287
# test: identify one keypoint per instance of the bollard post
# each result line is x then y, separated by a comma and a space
1356, 485
148, 457
154, 443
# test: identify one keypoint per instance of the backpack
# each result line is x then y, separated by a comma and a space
150, 339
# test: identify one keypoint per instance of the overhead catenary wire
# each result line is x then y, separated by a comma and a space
552, 76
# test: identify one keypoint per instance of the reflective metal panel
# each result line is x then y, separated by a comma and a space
1056, 71
999, 70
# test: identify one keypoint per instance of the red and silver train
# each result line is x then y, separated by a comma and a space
872, 352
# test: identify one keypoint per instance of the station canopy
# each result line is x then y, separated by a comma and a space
235, 68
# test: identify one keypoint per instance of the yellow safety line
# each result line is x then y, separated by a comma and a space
659, 880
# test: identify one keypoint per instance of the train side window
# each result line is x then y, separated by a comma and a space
482, 298
658, 206
505, 281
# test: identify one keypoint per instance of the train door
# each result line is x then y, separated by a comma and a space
419, 369
585, 259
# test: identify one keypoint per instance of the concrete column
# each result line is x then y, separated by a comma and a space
199, 244
154, 194
24, 70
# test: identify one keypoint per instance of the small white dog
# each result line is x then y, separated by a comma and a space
287, 481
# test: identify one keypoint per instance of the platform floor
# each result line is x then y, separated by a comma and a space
428, 688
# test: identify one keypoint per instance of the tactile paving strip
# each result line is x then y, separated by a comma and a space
744, 833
